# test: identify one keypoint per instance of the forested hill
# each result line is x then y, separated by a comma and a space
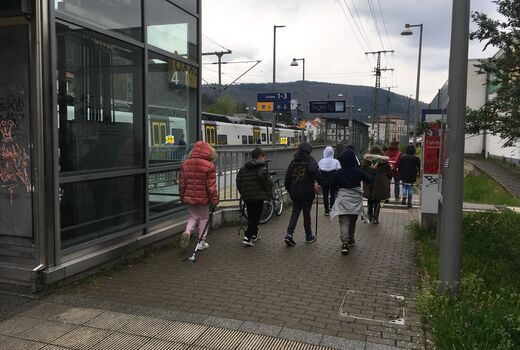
362, 97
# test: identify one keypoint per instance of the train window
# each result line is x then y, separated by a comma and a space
156, 140
222, 139
264, 137
291, 140
163, 134
244, 139
250, 140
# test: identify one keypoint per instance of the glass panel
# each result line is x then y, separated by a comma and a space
99, 101
172, 29
15, 133
122, 16
94, 209
190, 5
163, 192
172, 108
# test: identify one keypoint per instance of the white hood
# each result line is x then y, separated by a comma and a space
328, 163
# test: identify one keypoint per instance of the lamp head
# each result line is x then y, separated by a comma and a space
406, 31
294, 63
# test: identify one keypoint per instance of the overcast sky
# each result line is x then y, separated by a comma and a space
334, 51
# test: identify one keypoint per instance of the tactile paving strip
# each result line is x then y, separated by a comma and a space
379, 307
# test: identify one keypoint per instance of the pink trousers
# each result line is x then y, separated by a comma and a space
199, 215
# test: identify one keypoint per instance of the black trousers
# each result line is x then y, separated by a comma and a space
296, 209
374, 206
254, 211
328, 192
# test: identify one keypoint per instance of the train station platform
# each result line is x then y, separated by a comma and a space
235, 297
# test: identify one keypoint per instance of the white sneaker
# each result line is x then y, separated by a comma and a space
202, 245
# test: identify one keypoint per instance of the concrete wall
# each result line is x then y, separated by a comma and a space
475, 98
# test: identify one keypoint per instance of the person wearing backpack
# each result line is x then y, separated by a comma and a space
302, 182
328, 167
376, 164
198, 190
255, 187
394, 155
409, 167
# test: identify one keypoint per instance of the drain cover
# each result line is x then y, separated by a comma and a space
379, 307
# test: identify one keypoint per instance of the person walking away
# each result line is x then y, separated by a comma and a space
255, 187
328, 167
409, 167
198, 190
394, 155
349, 203
301, 181
376, 164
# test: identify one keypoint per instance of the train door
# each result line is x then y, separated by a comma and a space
256, 135
211, 134
158, 133
277, 136
296, 137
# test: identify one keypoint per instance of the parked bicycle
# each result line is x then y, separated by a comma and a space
272, 206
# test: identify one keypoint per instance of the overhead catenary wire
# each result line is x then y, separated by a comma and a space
350, 25
374, 18
384, 23
361, 32
361, 23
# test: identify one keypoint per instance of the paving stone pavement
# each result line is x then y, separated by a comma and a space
508, 178
309, 294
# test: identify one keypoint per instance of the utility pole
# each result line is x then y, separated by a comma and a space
219, 55
387, 116
273, 127
408, 117
378, 71
453, 165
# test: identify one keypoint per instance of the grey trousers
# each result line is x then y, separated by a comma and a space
347, 227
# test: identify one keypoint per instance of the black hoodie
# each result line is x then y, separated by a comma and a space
253, 182
350, 175
301, 175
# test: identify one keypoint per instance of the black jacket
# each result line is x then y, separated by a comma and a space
350, 175
409, 168
253, 182
301, 175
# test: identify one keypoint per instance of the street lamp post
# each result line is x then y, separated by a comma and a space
408, 31
294, 63
274, 79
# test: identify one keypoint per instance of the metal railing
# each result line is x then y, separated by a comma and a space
231, 158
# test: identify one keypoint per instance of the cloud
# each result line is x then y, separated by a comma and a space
318, 30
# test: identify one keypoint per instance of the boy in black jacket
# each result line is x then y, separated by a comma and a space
300, 182
255, 187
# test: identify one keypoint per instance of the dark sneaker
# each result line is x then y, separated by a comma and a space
289, 241
310, 239
248, 242
409, 205
351, 243
344, 249
327, 213
255, 237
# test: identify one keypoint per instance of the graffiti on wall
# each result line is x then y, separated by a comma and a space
14, 157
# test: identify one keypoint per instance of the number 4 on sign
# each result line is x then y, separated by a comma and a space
175, 78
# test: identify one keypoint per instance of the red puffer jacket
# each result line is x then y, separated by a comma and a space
198, 178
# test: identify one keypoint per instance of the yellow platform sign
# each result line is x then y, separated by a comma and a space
264, 106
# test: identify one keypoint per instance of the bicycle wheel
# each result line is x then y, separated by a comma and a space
278, 201
267, 212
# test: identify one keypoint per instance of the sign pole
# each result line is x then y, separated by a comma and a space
453, 172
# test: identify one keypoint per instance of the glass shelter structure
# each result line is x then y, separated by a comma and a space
99, 104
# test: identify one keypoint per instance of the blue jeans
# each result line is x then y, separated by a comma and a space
408, 192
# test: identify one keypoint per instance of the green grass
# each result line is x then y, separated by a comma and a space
483, 189
486, 314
